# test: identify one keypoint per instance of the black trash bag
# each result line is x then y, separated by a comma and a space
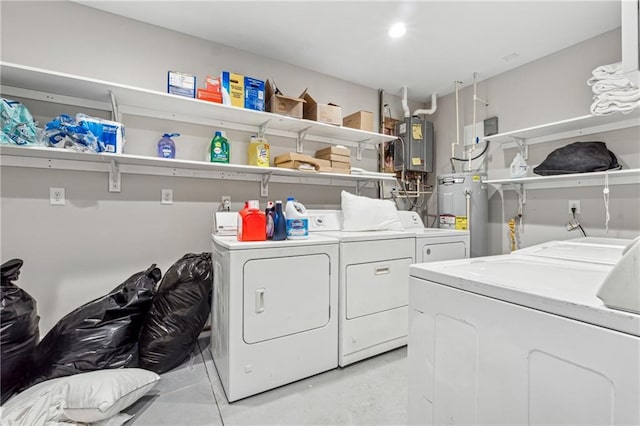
19, 331
178, 313
100, 334
578, 157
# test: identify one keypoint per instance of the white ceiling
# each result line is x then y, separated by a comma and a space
445, 40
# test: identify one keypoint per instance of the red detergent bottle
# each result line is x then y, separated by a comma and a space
252, 223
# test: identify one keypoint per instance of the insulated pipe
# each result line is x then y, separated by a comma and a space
428, 111
457, 142
405, 104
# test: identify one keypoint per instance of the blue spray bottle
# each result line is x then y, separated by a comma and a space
166, 146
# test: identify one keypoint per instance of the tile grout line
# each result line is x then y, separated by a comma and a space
211, 384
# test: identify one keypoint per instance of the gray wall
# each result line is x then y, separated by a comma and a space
550, 89
80, 251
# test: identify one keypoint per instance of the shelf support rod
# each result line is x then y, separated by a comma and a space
521, 191
524, 148
264, 185
263, 128
114, 177
361, 147
300, 139
115, 113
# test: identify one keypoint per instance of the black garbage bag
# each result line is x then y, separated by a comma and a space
100, 334
19, 331
578, 157
178, 314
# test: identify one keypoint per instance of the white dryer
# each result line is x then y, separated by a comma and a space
517, 339
435, 244
373, 286
274, 310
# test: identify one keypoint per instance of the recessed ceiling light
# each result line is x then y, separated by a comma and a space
397, 30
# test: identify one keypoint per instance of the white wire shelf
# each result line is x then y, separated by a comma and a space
616, 177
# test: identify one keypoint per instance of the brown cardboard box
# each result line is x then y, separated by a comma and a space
362, 120
390, 125
334, 150
324, 113
292, 156
322, 165
338, 167
280, 104
335, 157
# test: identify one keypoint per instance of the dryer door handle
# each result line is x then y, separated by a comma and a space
260, 300
381, 270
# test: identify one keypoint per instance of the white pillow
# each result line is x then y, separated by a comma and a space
369, 214
85, 397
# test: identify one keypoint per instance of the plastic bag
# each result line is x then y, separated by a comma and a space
518, 166
578, 157
64, 132
178, 314
100, 334
19, 331
17, 125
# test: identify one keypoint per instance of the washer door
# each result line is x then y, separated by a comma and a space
285, 296
443, 251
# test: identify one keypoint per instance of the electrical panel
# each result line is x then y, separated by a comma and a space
413, 152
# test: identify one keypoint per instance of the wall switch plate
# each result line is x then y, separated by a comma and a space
576, 204
167, 196
56, 197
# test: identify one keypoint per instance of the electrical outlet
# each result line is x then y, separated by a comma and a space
225, 202
167, 196
56, 196
576, 204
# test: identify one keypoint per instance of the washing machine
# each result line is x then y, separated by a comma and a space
598, 250
518, 339
373, 286
274, 311
435, 244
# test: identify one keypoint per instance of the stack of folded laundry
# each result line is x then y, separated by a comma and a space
612, 91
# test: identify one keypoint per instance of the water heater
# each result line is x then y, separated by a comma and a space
463, 204
414, 151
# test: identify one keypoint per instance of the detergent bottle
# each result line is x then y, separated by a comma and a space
279, 223
297, 220
219, 152
258, 152
252, 223
166, 146
270, 214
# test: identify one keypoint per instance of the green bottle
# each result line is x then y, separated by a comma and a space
219, 149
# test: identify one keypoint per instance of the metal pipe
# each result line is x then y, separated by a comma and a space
405, 103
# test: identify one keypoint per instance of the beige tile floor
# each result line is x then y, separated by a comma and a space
371, 392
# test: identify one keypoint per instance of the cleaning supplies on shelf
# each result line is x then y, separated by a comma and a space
279, 223
166, 146
258, 152
252, 222
269, 212
219, 149
297, 220
518, 166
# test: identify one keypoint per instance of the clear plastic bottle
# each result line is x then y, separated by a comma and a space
219, 152
166, 146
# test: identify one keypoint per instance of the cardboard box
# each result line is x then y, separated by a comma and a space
339, 150
340, 168
292, 156
323, 113
362, 120
253, 94
335, 157
233, 85
206, 95
280, 104
212, 84
297, 165
179, 83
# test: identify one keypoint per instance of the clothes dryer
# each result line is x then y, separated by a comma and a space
373, 286
518, 339
435, 244
274, 311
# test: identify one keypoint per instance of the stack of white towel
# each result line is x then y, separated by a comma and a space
612, 91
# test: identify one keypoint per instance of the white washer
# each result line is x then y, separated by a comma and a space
373, 289
274, 312
599, 250
516, 339
435, 244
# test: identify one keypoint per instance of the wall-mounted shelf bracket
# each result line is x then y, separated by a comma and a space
361, 147
264, 184
115, 114
300, 139
360, 185
114, 177
263, 129
524, 148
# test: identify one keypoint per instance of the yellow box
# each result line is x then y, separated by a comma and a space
233, 84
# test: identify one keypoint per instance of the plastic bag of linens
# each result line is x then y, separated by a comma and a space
178, 314
19, 332
578, 157
100, 334
16, 124
84, 133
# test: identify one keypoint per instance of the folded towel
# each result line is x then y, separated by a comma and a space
606, 85
604, 107
621, 96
